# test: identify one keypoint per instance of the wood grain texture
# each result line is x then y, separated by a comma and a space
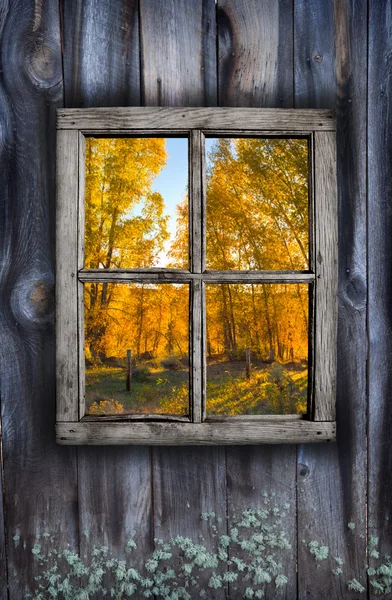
40, 493
187, 483
259, 31
116, 504
168, 275
67, 363
326, 234
255, 45
3, 550
183, 119
178, 56
269, 431
179, 49
330, 69
101, 53
101, 58
380, 274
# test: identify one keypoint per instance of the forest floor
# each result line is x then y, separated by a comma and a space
271, 389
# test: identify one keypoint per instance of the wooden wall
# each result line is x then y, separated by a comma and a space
286, 53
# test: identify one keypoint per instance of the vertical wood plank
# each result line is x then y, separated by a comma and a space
101, 53
326, 233
255, 45
66, 274
330, 69
179, 69
3, 551
101, 60
256, 70
380, 275
178, 53
40, 494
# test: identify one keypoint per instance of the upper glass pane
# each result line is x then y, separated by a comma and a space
136, 347
136, 203
257, 204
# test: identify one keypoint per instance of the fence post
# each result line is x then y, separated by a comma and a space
247, 362
129, 371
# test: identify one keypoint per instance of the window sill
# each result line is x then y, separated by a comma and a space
261, 431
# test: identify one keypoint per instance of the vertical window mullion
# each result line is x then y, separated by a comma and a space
196, 246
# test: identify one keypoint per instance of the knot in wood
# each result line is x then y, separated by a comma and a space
44, 66
355, 291
32, 301
42, 298
303, 470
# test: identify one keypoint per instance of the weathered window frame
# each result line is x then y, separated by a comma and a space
318, 126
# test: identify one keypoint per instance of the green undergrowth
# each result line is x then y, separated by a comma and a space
244, 559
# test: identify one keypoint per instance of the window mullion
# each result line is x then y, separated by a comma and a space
197, 266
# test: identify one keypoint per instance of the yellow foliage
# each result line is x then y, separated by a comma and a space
106, 407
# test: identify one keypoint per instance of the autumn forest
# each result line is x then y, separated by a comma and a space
137, 334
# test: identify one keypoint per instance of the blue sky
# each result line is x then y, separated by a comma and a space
172, 182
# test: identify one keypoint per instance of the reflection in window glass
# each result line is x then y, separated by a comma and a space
136, 203
257, 349
149, 324
257, 204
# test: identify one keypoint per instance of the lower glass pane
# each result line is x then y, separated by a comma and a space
257, 349
136, 348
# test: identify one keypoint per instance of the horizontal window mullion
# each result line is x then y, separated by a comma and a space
135, 275
258, 276
177, 276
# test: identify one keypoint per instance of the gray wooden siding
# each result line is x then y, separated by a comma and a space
245, 53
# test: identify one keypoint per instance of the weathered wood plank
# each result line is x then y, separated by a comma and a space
40, 494
180, 36
380, 276
326, 234
332, 480
3, 551
101, 53
67, 364
115, 500
187, 483
179, 68
182, 434
197, 118
255, 43
101, 45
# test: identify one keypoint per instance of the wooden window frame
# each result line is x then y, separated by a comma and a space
73, 126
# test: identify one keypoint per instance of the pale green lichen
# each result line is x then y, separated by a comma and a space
317, 550
245, 561
248, 557
355, 586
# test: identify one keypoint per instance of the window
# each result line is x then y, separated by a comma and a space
196, 276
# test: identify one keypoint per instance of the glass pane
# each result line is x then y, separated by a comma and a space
136, 203
136, 348
257, 204
257, 349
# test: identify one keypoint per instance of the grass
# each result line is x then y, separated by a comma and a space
271, 389
106, 393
